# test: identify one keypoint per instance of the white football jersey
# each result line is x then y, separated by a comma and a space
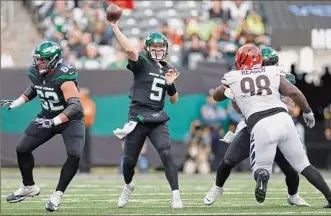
255, 90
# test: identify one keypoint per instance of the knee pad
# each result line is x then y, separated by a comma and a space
165, 155
227, 164
73, 157
129, 163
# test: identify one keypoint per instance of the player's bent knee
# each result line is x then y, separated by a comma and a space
26, 144
129, 163
75, 158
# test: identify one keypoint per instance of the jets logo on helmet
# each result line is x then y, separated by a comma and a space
248, 57
269, 56
156, 46
47, 55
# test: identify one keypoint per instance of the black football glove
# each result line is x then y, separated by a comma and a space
44, 123
6, 104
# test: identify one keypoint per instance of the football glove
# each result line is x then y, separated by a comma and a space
309, 118
6, 104
44, 123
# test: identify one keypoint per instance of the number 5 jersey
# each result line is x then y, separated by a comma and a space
48, 87
149, 86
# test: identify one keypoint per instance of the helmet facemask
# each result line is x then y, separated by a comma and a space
45, 64
157, 51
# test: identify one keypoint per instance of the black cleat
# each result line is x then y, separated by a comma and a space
261, 184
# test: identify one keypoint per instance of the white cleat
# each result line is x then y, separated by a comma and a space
125, 196
296, 200
54, 201
176, 203
212, 195
22, 193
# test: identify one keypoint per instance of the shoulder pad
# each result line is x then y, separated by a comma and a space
228, 77
65, 71
32, 72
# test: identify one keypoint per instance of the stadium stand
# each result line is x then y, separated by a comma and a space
197, 30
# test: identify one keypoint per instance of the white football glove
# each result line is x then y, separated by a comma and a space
309, 119
228, 93
6, 104
229, 136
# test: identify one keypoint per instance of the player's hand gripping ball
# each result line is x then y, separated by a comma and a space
113, 13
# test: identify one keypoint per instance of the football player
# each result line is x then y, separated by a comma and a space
238, 151
55, 83
257, 92
153, 80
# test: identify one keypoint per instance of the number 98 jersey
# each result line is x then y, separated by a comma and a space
255, 90
48, 87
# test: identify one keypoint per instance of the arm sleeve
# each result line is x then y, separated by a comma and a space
30, 92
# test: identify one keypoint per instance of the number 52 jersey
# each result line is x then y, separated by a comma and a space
255, 90
48, 87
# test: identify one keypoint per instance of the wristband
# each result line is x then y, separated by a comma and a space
56, 121
18, 102
171, 89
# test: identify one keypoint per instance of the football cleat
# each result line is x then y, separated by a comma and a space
296, 200
125, 196
212, 195
176, 203
327, 205
22, 193
261, 184
54, 201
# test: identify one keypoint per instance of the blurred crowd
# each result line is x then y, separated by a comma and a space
214, 33
204, 149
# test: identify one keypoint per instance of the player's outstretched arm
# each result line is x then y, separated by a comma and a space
290, 90
124, 41
29, 94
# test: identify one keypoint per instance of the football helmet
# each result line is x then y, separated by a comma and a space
47, 55
156, 46
269, 56
247, 57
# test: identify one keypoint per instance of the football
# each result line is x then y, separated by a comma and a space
113, 12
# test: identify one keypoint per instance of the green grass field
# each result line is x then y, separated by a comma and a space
97, 194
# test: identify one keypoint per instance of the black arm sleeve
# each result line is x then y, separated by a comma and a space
74, 109
30, 92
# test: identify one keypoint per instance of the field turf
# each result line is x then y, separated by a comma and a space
97, 194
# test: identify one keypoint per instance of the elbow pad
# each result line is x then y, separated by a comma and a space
74, 109
30, 92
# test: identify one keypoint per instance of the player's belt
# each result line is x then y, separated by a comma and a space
256, 117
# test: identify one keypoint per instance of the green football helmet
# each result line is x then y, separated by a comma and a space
156, 46
47, 55
269, 56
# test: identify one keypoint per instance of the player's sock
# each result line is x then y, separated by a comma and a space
175, 194
223, 172
68, 171
316, 179
292, 183
170, 168
129, 186
26, 164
